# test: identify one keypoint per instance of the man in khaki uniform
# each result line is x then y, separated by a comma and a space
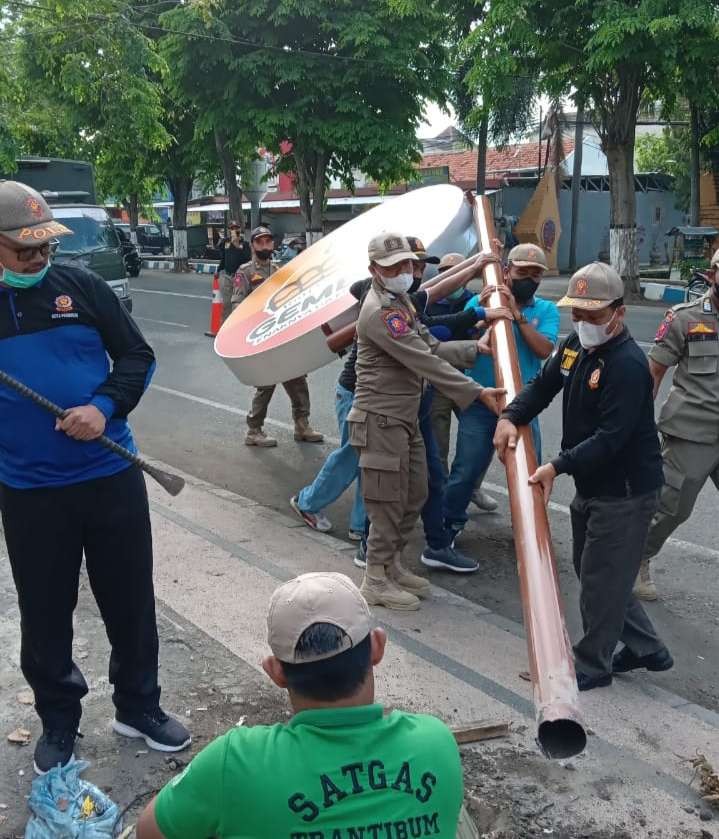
688, 337
250, 276
395, 354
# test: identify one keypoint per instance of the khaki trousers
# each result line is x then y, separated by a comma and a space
393, 466
687, 467
226, 286
296, 389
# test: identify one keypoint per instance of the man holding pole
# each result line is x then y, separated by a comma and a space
611, 449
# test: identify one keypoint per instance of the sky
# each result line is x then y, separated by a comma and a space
437, 120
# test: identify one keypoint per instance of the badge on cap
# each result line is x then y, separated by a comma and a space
594, 378
34, 206
393, 244
581, 288
396, 323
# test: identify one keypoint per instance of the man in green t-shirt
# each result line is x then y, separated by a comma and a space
340, 768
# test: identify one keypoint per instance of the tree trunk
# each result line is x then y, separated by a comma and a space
622, 215
576, 185
229, 172
694, 171
133, 211
481, 183
180, 187
311, 169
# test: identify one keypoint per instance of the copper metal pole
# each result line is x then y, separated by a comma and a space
560, 730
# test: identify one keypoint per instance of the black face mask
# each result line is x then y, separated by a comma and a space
524, 289
263, 255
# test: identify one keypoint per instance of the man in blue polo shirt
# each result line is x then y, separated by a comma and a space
536, 329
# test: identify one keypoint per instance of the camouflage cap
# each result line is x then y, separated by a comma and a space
420, 251
449, 260
593, 287
388, 249
527, 255
25, 218
262, 230
318, 597
715, 259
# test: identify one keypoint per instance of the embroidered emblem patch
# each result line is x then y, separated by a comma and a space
664, 326
581, 287
256, 278
700, 331
594, 379
392, 243
707, 307
568, 359
396, 323
63, 303
34, 206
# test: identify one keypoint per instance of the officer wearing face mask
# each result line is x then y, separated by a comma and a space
536, 329
611, 449
395, 354
688, 337
250, 276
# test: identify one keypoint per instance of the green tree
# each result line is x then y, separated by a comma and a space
667, 153
607, 54
341, 84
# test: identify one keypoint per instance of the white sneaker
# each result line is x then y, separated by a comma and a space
484, 502
314, 520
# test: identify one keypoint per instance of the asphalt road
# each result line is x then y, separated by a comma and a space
194, 417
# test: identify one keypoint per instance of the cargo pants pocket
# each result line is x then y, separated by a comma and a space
671, 492
380, 476
357, 427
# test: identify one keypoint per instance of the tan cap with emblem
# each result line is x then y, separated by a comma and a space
420, 252
526, 256
593, 287
388, 249
25, 218
715, 259
260, 231
319, 597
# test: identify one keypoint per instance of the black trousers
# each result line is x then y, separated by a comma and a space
609, 536
46, 531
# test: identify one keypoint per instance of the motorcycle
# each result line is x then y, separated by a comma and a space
130, 255
697, 287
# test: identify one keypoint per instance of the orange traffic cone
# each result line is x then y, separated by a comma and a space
215, 308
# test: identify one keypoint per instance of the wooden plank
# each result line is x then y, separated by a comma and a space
481, 730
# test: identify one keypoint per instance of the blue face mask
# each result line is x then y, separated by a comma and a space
15, 280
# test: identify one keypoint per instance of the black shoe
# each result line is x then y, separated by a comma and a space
160, 732
448, 559
54, 748
586, 682
625, 660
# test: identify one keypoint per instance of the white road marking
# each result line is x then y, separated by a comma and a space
680, 544
164, 322
134, 289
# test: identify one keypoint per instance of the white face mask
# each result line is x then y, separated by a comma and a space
593, 335
399, 284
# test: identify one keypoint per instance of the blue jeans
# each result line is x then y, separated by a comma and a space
338, 471
472, 457
433, 511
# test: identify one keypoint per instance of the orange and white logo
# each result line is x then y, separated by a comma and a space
594, 378
34, 206
63, 303
581, 287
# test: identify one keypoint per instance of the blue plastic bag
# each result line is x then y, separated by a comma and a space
66, 807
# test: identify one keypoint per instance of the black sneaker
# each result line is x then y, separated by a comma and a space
448, 559
54, 748
625, 660
156, 728
587, 682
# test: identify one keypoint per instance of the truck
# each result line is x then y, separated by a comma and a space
69, 188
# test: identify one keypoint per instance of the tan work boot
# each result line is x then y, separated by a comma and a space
257, 437
405, 579
378, 590
304, 433
644, 587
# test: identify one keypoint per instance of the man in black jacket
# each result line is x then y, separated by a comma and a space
611, 449
63, 494
234, 252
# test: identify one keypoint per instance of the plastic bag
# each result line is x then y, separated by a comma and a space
66, 807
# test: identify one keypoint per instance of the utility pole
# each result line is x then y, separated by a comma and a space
482, 155
576, 184
694, 172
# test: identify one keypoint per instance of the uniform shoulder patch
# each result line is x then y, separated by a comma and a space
664, 326
594, 378
396, 323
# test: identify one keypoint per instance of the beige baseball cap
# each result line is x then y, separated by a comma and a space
389, 248
25, 218
420, 252
526, 256
449, 260
715, 259
593, 287
319, 597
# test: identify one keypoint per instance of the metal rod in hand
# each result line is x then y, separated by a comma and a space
560, 731
172, 483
